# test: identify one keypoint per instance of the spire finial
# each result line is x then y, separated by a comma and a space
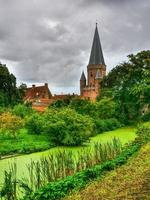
96, 23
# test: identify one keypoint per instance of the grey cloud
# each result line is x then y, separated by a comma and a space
50, 41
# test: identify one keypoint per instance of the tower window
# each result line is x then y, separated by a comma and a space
91, 74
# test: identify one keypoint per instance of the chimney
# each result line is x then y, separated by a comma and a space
46, 84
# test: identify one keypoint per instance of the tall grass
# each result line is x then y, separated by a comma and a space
57, 166
9, 188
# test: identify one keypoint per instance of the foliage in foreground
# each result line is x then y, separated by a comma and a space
60, 189
62, 164
131, 181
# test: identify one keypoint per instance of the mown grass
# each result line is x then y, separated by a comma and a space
131, 181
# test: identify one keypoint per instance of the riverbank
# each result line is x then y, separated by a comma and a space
125, 135
24, 144
28, 144
132, 181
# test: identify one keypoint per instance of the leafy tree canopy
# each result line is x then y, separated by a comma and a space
9, 93
130, 83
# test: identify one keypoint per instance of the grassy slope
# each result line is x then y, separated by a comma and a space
131, 181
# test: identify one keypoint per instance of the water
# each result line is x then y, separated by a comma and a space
124, 134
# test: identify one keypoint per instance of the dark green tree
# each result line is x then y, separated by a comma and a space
9, 94
130, 84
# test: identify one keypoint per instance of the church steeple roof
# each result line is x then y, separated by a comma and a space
96, 56
83, 78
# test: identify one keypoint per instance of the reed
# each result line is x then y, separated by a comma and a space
9, 188
58, 165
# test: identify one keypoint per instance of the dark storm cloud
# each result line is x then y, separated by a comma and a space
50, 41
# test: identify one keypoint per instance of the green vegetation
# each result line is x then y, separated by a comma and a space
65, 163
129, 86
131, 181
24, 143
9, 93
59, 189
64, 127
52, 168
124, 100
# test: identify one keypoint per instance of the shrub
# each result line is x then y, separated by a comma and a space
67, 127
60, 103
82, 106
106, 108
146, 117
106, 124
10, 123
22, 110
34, 123
143, 134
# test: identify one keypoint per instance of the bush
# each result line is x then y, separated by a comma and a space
34, 123
106, 108
67, 127
146, 117
84, 107
10, 123
106, 124
64, 127
143, 134
22, 110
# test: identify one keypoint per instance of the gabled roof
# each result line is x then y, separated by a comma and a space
34, 91
83, 78
96, 56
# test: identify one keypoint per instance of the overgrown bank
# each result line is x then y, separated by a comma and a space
132, 181
59, 189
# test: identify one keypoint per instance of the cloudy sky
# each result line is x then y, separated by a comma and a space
50, 41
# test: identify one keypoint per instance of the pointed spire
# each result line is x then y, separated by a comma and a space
83, 78
96, 56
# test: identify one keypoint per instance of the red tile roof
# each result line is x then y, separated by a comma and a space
35, 92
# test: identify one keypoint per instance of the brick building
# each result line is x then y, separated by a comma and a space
40, 97
96, 70
36, 93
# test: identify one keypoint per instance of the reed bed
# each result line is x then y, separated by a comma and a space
64, 163
58, 165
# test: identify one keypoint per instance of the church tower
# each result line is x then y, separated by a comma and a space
96, 70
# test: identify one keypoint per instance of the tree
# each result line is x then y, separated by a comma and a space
10, 123
83, 106
34, 124
8, 90
22, 110
106, 108
67, 127
130, 84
